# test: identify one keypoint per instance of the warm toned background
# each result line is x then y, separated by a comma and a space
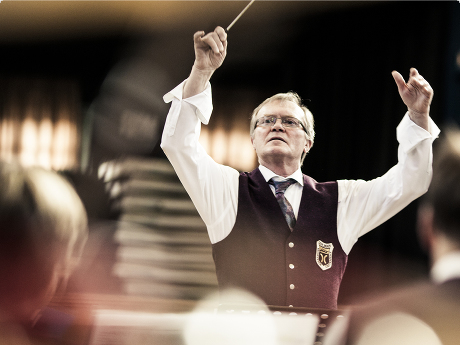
337, 55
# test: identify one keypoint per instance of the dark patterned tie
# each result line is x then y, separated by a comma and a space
280, 188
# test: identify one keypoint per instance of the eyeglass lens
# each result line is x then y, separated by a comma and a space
286, 121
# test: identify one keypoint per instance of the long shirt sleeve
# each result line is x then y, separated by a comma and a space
212, 187
362, 205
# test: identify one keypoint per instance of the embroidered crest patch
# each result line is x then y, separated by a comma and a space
324, 254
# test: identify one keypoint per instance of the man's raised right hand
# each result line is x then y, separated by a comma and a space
210, 52
210, 49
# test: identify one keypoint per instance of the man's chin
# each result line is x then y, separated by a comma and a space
276, 154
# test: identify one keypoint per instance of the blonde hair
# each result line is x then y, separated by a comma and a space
307, 119
43, 229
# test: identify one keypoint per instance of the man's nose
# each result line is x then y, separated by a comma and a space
278, 126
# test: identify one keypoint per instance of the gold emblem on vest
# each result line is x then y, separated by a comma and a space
324, 254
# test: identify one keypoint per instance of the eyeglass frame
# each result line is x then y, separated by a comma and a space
281, 118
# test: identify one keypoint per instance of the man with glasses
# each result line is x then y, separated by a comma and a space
276, 232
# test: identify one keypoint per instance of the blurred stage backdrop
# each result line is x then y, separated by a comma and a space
81, 86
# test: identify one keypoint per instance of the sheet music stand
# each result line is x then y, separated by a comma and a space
325, 316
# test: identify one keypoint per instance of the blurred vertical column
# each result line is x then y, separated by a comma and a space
164, 250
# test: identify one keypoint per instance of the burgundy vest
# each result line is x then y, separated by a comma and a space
298, 268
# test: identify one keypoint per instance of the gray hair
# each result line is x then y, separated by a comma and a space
291, 96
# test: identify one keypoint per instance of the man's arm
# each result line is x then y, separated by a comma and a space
212, 187
364, 205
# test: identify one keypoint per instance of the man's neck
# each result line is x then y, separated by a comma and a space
283, 170
446, 267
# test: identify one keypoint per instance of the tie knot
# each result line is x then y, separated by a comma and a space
281, 186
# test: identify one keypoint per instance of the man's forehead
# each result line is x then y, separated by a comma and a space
281, 107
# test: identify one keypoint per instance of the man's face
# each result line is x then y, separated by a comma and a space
275, 143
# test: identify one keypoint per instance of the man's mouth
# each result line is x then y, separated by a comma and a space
277, 138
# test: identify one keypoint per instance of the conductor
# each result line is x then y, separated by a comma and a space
275, 231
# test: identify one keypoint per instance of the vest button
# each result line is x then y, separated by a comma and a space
292, 286
291, 244
291, 266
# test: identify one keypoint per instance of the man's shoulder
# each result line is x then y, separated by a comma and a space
250, 174
395, 296
310, 181
425, 301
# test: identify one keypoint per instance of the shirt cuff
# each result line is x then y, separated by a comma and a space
202, 101
174, 93
409, 134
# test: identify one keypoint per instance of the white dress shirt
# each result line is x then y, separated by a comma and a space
446, 268
362, 205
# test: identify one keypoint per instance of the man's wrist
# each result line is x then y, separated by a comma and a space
197, 81
420, 119
202, 72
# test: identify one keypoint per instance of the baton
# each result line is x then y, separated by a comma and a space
238, 17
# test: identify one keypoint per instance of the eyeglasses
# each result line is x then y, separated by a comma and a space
286, 121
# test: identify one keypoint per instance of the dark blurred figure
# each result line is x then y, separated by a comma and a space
95, 272
419, 314
43, 228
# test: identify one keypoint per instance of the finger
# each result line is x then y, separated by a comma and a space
426, 88
422, 82
197, 36
419, 83
212, 39
428, 92
399, 80
221, 33
415, 76
220, 37
212, 43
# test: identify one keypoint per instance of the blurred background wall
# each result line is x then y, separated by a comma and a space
81, 83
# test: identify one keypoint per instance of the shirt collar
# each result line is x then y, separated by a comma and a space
268, 174
446, 268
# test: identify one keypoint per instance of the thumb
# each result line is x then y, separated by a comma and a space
197, 36
399, 80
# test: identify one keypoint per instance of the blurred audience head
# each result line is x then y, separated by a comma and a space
43, 228
439, 212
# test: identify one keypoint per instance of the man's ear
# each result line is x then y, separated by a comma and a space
425, 227
252, 142
307, 146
